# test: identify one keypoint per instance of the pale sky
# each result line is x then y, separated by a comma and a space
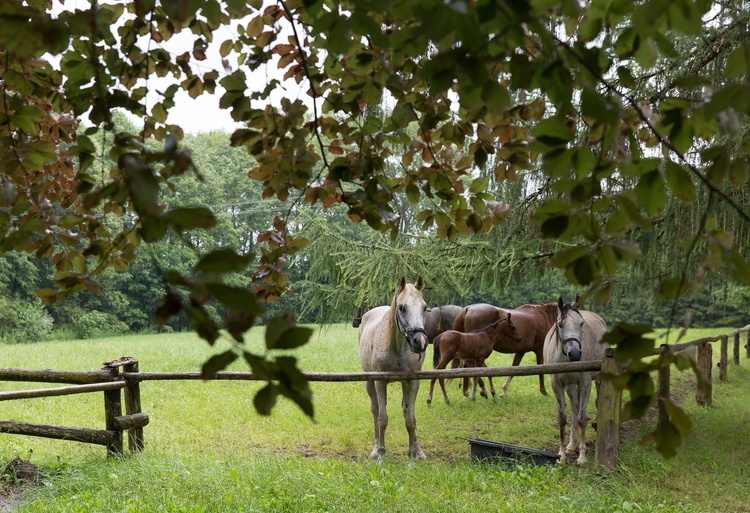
203, 113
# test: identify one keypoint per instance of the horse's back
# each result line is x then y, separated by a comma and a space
477, 316
596, 327
439, 319
533, 322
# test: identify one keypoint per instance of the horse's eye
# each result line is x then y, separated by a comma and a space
424, 308
581, 324
402, 307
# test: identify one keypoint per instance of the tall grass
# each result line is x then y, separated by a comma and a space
208, 450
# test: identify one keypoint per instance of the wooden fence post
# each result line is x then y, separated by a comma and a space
724, 361
112, 410
736, 348
747, 343
608, 415
133, 406
703, 394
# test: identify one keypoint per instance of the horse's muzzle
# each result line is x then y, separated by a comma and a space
574, 353
417, 340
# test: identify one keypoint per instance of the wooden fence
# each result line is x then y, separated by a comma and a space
110, 380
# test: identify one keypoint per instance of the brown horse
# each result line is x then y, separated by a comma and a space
472, 348
532, 323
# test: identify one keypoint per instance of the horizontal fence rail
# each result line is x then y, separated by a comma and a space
482, 372
51, 392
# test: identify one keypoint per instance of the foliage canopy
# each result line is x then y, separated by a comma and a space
620, 120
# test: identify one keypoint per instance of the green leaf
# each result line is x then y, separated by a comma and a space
203, 325
679, 418
265, 399
672, 288
235, 298
553, 132
651, 192
218, 362
292, 384
554, 227
223, 260
680, 182
190, 218
738, 63
599, 107
282, 333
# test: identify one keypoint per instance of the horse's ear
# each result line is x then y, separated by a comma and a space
560, 302
509, 316
575, 303
401, 284
419, 282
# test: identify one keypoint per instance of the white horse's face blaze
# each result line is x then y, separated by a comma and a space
570, 328
410, 311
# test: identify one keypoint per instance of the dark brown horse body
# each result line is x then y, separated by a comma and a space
532, 323
439, 319
472, 348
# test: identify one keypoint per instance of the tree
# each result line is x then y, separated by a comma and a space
618, 118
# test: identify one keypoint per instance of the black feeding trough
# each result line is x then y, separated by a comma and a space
499, 452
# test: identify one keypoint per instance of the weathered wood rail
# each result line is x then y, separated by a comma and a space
111, 380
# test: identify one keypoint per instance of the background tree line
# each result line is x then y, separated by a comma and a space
129, 297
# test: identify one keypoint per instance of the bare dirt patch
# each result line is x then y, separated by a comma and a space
18, 476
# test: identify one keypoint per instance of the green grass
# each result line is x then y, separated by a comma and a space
207, 449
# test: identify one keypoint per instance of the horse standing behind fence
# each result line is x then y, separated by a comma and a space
472, 348
576, 336
532, 323
392, 338
439, 319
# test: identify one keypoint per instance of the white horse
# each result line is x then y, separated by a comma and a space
392, 338
575, 337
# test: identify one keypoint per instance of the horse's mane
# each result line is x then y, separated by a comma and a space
549, 310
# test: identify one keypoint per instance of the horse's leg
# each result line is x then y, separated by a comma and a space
516, 361
575, 405
455, 364
584, 392
429, 394
540, 361
370, 387
410, 389
492, 385
381, 420
562, 419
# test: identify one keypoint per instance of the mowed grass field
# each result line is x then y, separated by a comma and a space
208, 450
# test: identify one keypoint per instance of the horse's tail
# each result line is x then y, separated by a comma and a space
436, 353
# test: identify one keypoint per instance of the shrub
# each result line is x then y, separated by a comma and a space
97, 324
24, 321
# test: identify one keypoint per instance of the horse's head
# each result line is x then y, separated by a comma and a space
569, 330
409, 308
512, 332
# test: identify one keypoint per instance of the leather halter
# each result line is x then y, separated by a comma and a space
408, 331
566, 340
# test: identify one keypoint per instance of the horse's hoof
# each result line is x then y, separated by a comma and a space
429, 403
580, 462
483, 393
544, 392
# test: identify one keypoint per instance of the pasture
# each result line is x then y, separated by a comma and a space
208, 450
